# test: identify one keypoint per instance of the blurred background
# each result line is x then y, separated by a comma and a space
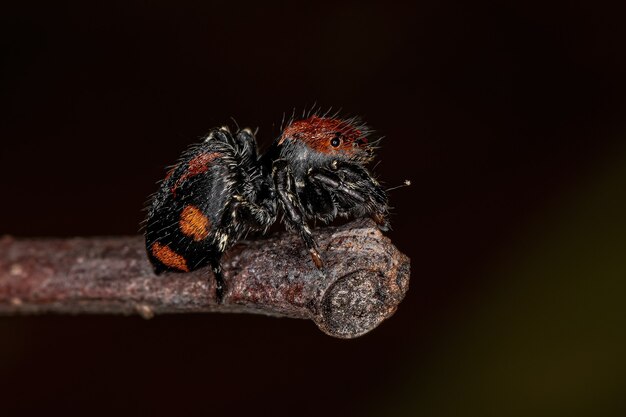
508, 120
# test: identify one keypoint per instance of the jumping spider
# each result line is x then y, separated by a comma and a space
221, 189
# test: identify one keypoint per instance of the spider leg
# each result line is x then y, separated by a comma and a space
256, 216
216, 266
336, 183
317, 202
287, 195
246, 145
363, 195
221, 134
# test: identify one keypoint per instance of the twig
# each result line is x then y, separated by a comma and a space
365, 279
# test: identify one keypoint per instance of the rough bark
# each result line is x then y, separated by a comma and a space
365, 279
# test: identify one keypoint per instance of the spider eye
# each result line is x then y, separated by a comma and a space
336, 141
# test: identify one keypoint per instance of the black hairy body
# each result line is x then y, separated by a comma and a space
222, 189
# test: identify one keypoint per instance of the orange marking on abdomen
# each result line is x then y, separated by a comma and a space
198, 165
194, 223
168, 257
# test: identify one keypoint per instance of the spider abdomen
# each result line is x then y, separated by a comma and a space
187, 223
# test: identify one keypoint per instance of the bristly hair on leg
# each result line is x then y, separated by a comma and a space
235, 122
406, 183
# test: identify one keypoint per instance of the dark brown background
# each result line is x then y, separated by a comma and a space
509, 121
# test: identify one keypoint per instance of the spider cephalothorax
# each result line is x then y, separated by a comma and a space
221, 189
335, 138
